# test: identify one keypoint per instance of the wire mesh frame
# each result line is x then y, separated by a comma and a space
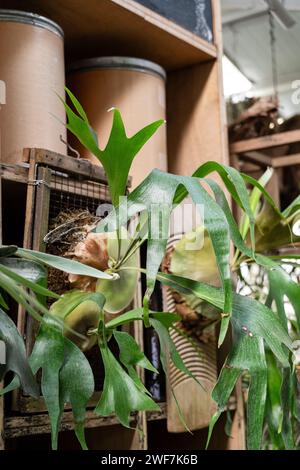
53, 191
69, 193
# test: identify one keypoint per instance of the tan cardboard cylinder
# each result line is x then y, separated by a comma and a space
31, 75
137, 88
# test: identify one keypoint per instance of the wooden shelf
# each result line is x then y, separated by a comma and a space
120, 27
21, 426
265, 142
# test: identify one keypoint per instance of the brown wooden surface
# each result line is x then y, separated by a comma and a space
276, 162
196, 113
120, 27
17, 173
73, 166
18, 426
265, 142
194, 117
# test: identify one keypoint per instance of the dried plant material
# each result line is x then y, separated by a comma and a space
259, 119
66, 231
79, 223
262, 107
92, 251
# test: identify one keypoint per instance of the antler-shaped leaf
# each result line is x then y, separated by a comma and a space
121, 394
66, 373
120, 150
66, 376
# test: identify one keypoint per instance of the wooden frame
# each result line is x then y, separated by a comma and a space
38, 177
249, 156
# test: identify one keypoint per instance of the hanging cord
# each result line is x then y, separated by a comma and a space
273, 54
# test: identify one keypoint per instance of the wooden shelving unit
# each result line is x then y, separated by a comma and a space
196, 125
252, 156
123, 27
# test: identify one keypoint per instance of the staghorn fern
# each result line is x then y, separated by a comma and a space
257, 329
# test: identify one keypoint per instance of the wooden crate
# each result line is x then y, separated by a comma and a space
56, 182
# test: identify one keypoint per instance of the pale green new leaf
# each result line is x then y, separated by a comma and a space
233, 182
120, 292
70, 300
274, 230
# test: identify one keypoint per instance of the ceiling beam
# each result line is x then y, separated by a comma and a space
241, 17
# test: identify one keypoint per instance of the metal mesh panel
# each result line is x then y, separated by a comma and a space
70, 194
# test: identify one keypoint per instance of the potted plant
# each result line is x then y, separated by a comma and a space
80, 318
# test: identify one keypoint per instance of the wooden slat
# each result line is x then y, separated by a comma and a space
17, 173
73, 166
120, 27
257, 157
287, 160
40, 228
275, 162
195, 121
265, 142
21, 426
30, 405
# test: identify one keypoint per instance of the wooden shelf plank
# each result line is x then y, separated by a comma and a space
274, 162
20, 426
268, 141
120, 27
